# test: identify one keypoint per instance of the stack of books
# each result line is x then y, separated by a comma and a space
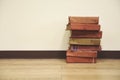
84, 40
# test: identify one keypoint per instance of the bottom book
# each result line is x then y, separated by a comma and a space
80, 60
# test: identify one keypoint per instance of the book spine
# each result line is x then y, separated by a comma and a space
86, 47
86, 34
81, 53
80, 60
84, 20
84, 41
83, 27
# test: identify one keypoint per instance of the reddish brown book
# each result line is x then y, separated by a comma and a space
91, 27
84, 20
86, 34
81, 53
80, 60
85, 47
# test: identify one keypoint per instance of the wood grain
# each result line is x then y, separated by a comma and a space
58, 69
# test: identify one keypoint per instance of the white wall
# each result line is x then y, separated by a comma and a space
40, 24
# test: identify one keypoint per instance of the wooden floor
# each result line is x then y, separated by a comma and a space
58, 69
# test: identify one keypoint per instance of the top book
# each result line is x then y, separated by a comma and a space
83, 20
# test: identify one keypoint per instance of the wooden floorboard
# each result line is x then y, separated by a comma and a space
58, 69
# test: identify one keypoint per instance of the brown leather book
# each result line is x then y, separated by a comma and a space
86, 34
85, 47
91, 27
80, 60
83, 20
84, 41
81, 53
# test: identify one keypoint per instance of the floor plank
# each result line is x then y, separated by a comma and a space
58, 69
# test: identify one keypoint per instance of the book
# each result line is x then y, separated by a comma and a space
86, 34
84, 41
83, 20
85, 47
80, 60
91, 27
82, 53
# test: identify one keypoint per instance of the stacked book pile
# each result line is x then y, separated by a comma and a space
84, 40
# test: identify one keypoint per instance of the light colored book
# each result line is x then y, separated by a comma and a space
84, 41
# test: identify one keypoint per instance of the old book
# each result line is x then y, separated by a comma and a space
80, 60
81, 53
84, 20
84, 41
85, 47
91, 27
86, 34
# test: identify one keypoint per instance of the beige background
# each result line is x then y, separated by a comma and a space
40, 24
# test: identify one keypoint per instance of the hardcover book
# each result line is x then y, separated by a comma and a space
80, 60
84, 20
84, 41
81, 53
91, 27
86, 34
85, 47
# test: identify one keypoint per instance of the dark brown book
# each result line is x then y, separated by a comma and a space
81, 53
90, 27
85, 47
86, 34
80, 60
84, 20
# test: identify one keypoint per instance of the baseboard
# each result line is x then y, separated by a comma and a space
32, 54
51, 54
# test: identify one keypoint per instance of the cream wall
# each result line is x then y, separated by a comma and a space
40, 24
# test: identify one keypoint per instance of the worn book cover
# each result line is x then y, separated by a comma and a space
82, 53
80, 60
85, 47
83, 20
84, 41
91, 27
86, 34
